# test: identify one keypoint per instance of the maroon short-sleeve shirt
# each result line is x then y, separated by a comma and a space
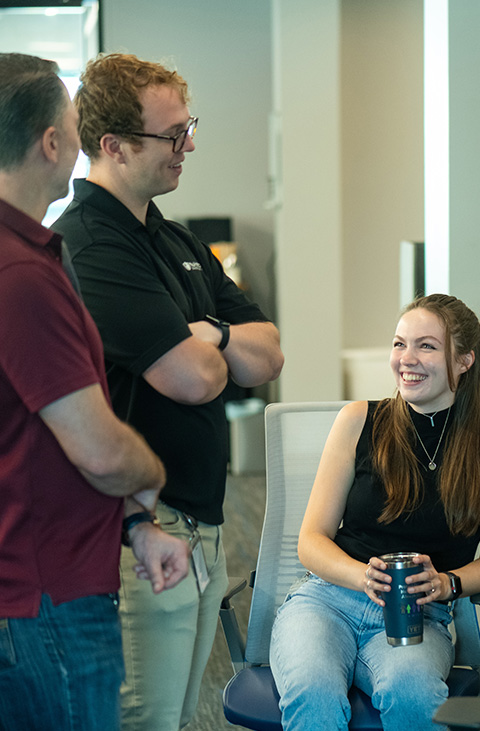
58, 535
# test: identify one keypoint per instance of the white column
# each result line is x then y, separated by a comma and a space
306, 173
437, 198
452, 148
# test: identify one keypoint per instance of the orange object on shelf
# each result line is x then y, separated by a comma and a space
226, 253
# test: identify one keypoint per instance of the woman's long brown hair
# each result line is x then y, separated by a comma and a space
393, 436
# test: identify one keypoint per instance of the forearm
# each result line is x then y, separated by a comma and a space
141, 502
470, 578
253, 353
132, 469
323, 557
208, 379
111, 456
193, 372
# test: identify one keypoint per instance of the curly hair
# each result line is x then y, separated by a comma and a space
108, 97
393, 457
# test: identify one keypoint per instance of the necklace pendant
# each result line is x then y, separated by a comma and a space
431, 464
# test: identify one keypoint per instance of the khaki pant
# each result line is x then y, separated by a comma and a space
167, 638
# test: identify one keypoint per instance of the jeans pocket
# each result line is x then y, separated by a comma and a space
297, 584
171, 520
324, 583
7, 651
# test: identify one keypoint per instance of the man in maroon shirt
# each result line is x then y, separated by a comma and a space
69, 468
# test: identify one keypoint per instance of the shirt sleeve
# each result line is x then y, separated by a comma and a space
45, 352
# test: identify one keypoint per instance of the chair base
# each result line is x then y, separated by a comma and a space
250, 699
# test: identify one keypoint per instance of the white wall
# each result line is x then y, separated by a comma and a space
307, 90
464, 154
352, 73
382, 152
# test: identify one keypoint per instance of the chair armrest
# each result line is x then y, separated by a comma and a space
231, 630
235, 585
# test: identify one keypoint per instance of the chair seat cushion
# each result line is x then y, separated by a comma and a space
250, 699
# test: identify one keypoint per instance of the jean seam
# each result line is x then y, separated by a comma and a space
51, 642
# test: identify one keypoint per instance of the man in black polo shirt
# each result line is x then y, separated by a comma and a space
174, 327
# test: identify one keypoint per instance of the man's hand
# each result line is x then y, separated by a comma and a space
163, 559
205, 331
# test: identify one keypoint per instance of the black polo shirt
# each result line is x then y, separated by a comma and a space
143, 285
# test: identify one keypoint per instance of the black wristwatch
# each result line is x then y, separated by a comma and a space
224, 327
134, 519
455, 584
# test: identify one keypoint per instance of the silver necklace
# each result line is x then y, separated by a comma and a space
431, 460
431, 417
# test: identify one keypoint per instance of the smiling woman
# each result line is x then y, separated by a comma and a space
433, 358
401, 474
419, 362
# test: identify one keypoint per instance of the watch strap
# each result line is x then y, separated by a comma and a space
224, 327
133, 520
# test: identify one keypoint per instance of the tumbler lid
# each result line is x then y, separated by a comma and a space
400, 560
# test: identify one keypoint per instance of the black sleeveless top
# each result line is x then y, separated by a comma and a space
425, 530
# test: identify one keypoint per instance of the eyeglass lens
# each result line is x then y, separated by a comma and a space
180, 141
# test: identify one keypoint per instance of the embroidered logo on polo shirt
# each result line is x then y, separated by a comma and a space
192, 266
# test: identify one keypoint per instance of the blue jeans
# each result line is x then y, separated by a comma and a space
326, 638
62, 670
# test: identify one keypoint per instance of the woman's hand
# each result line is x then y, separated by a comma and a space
436, 586
375, 581
428, 581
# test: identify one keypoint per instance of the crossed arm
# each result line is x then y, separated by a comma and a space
195, 371
253, 354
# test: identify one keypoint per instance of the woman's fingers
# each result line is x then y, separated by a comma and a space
375, 581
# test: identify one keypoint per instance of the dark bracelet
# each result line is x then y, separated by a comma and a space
224, 327
133, 520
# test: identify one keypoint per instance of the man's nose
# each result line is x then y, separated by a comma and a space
189, 145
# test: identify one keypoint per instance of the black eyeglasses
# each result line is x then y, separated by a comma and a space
178, 140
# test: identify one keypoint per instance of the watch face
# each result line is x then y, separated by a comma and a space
455, 584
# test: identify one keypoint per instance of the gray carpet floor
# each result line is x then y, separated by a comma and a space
244, 509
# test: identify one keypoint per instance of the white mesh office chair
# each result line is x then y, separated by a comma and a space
295, 437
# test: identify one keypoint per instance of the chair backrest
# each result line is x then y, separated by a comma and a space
295, 434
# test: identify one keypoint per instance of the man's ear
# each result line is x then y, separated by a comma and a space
466, 361
111, 145
49, 144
